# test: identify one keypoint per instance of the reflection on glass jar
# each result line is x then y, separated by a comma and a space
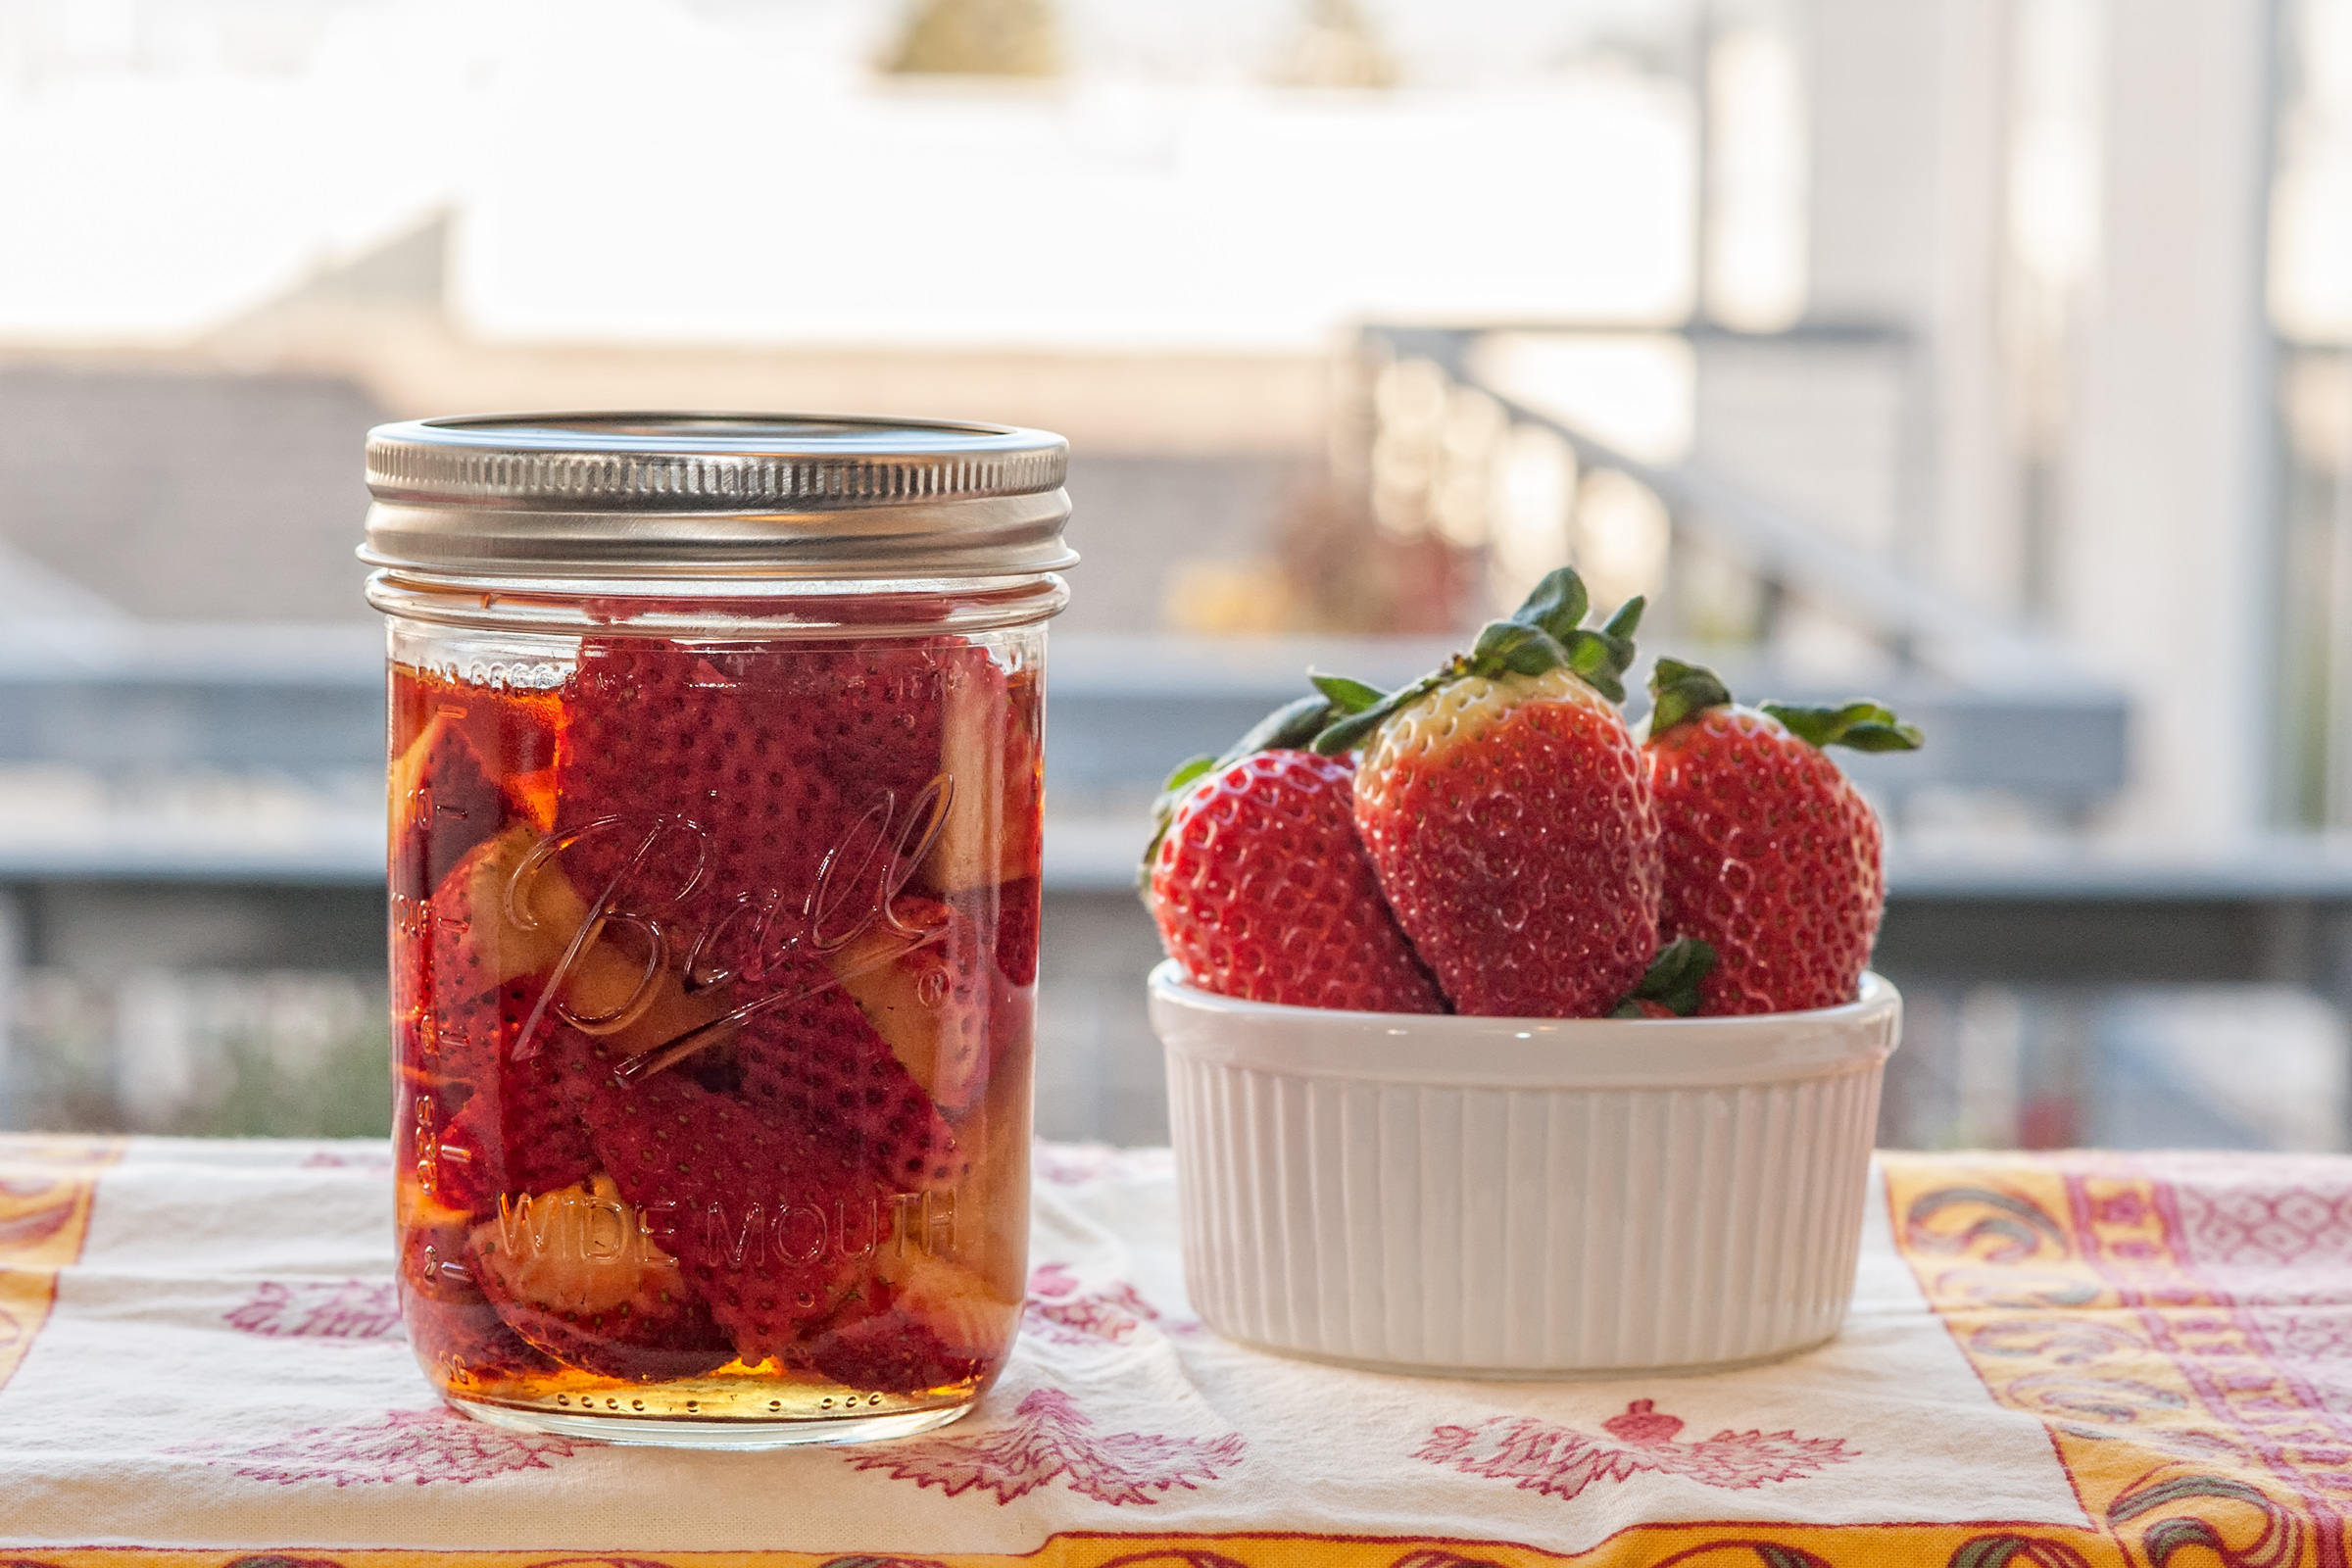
714, 904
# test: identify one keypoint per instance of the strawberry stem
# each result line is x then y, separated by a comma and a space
1679, 693
1347, 734
1539, 636
1346, 696
1866, 726
1672, 979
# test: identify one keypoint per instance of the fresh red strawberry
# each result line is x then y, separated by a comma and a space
1502, 803
765, 1235
1772, 855
812, 1062
1262, 891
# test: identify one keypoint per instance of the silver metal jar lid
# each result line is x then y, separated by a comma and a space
732, 494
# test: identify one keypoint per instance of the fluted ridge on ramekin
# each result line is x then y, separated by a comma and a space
1520, 1229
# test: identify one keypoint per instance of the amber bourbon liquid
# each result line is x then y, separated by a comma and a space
714, 977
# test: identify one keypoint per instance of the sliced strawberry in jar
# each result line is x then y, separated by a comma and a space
461, 1040
921, 979
506, 922
938, 1326
681, 782
887, 1353
461, 1334
768, 1238
878, 711
476, 761
443, 801
813, 1063
519, 1136
432, 1253
989, 751
1015, 907
573, 1271
504, 911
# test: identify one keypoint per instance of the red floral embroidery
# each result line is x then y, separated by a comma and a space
1049, 1439
325, 1309
1058, 1309
1562, 1462
414, 1446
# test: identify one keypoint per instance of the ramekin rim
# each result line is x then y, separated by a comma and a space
1875, 991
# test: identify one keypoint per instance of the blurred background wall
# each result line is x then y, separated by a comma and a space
1993, 355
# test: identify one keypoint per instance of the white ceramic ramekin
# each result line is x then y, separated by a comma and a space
1521, 1198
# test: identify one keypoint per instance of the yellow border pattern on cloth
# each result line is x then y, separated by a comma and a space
1692, 1545
46, 1188
2073, 1286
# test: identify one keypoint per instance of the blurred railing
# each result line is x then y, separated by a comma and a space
2013, 710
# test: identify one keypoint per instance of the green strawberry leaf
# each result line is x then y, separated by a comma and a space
1557, 603
1866, 726
1346, 696
1288, 728
1679, 692
1877, 737
1191, 768
1347, 734
1541, 636
1514, 647
1593, 655
1619, 632
1672, 979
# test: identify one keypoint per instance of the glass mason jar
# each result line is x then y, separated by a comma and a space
715, 782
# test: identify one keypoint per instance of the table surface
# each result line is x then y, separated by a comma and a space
2054, 1360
